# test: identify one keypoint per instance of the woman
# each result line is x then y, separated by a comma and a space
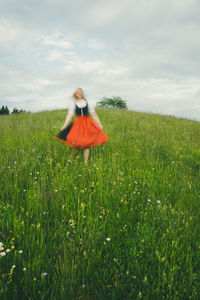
83, 133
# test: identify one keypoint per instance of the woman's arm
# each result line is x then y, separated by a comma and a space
67, 120
96, 119
68, 116
94, 115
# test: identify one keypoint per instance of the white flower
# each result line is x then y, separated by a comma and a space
7, 250
149, 200
13, 266
107, 239
24, 269
1, 248
20, 251
3, 253
45, 274
1, 244
158, 201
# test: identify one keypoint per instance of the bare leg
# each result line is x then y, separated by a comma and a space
86, 155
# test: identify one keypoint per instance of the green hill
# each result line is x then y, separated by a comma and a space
125, 226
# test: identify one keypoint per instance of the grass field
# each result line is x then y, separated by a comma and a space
125, 226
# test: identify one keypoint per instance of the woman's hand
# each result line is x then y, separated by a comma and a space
62, 128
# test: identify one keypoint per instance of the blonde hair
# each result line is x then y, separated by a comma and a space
74, 94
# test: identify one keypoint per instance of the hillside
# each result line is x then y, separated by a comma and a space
123, 227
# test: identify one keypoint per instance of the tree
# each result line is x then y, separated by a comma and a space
114, 102
17, 111
4, 110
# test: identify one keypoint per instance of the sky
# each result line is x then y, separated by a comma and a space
146, 52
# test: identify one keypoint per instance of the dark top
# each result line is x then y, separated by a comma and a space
79, 111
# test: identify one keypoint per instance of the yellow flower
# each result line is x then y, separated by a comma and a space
12, 247
139, 294
145, 278
163, 258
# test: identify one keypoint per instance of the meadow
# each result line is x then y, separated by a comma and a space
125, 226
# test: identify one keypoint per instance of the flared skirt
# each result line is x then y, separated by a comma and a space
83, 132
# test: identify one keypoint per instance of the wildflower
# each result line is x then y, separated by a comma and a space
7, 250
12, 247
1, 244
13, 266
1, 248
20, 251
24, 269
145, 278
158, 201
45, 274
83, 285
140, 295
149, 200
107, 239
3, 253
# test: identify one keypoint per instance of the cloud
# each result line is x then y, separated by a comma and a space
147, 52
57, 41
104, 13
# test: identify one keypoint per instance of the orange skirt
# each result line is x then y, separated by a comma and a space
84, 133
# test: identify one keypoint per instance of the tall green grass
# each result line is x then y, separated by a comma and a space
125, 226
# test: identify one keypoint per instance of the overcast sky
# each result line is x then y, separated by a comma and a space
146, 52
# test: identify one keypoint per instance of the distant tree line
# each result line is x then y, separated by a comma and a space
5, 111
114, 102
